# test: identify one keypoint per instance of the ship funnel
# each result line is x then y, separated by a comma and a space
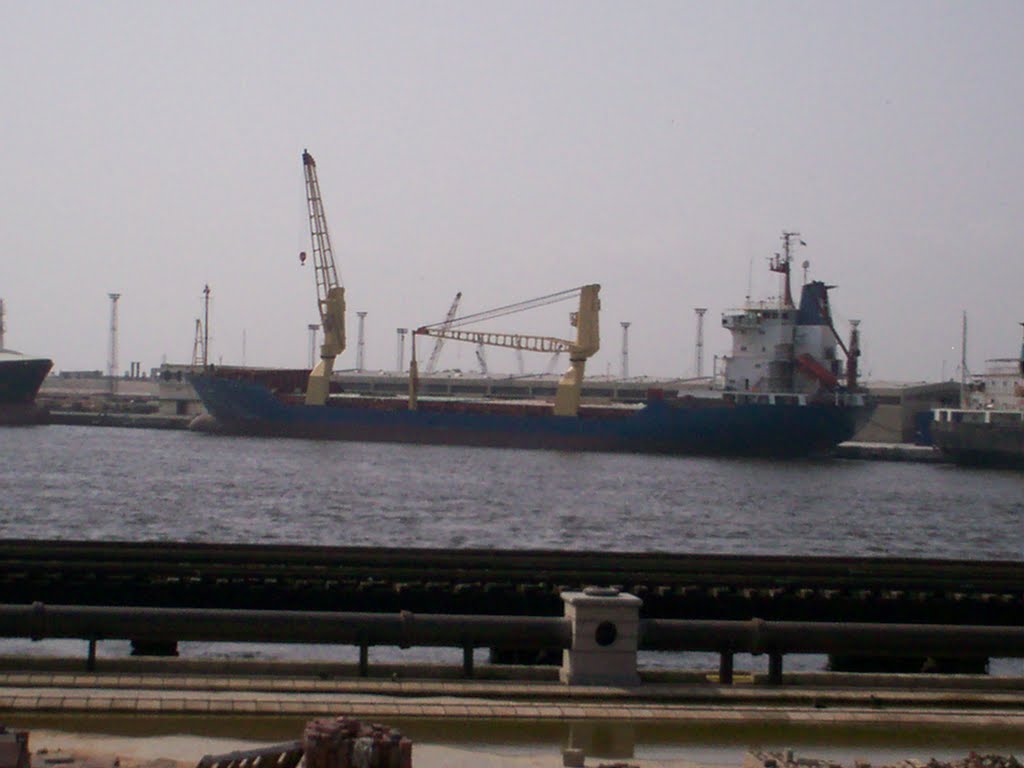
814, 307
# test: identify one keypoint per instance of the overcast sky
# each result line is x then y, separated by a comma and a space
509, 150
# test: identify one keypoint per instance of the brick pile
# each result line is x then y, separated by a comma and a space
14, 749
348, 743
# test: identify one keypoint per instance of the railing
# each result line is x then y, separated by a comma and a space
162, 626
778, 638
977, 416
726, 638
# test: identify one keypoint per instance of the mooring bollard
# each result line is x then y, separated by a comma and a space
605, 635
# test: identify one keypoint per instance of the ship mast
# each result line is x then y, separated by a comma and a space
781, 263
1021, 354
963, 363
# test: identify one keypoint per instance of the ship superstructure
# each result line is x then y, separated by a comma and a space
780, 347
989, 429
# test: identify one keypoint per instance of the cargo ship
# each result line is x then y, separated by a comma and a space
20, 379
782, 393
988, 430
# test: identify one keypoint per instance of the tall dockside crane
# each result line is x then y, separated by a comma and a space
330, 292
585, 346
439, 342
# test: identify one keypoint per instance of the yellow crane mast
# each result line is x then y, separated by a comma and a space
330, 292
585, 346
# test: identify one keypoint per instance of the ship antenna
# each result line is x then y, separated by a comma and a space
781, 264
750, 278
963, 362
1022, 354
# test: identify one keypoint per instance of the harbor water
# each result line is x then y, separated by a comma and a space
151, 485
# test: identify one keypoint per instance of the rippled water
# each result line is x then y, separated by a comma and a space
134, 485
101, 483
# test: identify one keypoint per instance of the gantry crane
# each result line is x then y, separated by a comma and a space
445, 325
330, 292
586, 344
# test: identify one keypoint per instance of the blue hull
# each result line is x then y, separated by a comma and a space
687, 426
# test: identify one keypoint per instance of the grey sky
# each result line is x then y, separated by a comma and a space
509, 150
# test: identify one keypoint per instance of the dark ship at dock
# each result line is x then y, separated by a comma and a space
21, 376
786, 391
988, 429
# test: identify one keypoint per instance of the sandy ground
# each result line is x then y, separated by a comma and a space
98, 750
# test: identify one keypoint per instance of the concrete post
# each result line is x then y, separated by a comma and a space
605, 635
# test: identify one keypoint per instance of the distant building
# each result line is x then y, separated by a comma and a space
904, 410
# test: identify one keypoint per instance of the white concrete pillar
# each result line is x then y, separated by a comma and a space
605, 636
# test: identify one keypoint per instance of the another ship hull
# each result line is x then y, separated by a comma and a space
982, 444
20, 379
685, 426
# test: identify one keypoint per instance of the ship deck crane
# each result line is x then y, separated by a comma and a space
330, 292
585, 346
445, 325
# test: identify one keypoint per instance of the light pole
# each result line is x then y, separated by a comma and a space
112, 362
700, 340
625, 349
361, 346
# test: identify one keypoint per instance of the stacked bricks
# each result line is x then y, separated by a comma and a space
14, 749
347, 743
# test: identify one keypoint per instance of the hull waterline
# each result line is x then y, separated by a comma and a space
673, 426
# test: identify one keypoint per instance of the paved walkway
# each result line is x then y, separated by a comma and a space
469, 700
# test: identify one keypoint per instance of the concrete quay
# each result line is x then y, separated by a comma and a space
113, 419
889, 452
804, 699
183, 709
